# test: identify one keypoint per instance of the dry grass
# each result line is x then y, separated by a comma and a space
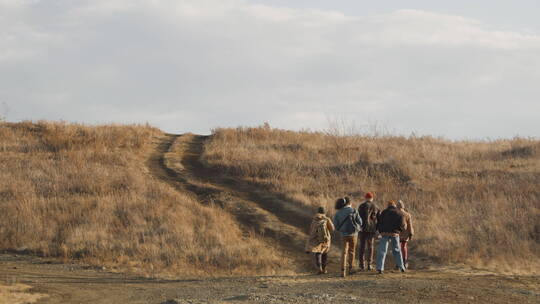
84, 193
476, 203
18, 294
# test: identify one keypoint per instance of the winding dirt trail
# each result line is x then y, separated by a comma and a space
278, 222
176, 161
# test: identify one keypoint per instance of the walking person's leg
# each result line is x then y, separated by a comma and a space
351, 256
381, 253
324, 260
396, 250
318, 261
362, 249
405, 253
370, 243
345, 244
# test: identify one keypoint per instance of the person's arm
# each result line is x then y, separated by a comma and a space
403, 224
411, 229
336, 222
358, 219
380, 217
330, 226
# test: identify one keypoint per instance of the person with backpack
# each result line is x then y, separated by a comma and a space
348, 222
369, 212
390, 224
319, 239
406, 235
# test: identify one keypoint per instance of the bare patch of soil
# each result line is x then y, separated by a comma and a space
66, 283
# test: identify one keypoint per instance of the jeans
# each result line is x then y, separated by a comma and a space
366, 240
383, 248
347, 256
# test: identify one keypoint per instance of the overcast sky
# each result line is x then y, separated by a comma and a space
459, 69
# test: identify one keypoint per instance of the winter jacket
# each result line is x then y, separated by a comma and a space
391, 222
369, 213
313, 243
343, 221
409, 231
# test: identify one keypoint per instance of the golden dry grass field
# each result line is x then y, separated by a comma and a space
129, 214
85, 193
473, 202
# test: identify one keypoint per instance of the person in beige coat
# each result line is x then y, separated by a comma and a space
319, 239
406, 235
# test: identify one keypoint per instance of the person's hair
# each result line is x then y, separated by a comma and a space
321, 210
391, 203
400, 204
342, 202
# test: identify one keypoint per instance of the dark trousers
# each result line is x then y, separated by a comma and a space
321, 259
366, 240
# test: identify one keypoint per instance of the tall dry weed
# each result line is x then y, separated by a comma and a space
474, 202
83, 193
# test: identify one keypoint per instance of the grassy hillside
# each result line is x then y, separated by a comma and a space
84, 193
473, 202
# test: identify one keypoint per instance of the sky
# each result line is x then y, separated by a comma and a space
457, 69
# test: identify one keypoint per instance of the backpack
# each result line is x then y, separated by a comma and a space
351, 218
323, 235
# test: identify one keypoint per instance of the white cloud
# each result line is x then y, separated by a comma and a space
228, 62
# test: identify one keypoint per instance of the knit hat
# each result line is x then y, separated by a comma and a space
369, 195
321, 210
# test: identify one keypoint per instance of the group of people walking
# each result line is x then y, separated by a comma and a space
363, 225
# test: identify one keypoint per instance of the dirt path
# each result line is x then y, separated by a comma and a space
281, 224
64, 283
177, 162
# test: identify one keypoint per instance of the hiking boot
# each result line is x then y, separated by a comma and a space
324, 271
352, 271
369, 268
402, 270
406, 265
379, 272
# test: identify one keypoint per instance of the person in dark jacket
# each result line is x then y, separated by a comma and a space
369, 212
348, 223
390, 224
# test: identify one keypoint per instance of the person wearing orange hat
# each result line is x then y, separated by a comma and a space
369, 212
391, 223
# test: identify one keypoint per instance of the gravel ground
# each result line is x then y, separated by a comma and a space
68, 283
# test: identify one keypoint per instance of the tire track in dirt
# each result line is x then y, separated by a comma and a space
177, 161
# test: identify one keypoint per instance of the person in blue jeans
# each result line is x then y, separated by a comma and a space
391, 222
